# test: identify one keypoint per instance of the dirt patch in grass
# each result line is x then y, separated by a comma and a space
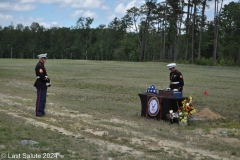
207, 114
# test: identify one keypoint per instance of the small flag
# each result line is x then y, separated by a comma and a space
152, 89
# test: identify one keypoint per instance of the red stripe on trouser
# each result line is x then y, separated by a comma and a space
39, 100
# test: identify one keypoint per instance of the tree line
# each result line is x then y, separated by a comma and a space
173, 30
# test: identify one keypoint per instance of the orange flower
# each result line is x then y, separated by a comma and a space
188, 108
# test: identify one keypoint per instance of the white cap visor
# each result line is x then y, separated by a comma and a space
171, 65
42, 55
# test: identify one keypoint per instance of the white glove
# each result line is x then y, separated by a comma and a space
48, 84
175, 90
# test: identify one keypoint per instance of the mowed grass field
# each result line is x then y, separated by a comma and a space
93, 111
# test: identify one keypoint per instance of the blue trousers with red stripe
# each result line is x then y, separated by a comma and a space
41, 101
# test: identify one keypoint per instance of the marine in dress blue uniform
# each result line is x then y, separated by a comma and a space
176, 78
42, 83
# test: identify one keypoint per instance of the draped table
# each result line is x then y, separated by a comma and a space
158, 105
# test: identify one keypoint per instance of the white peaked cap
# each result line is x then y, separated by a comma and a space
42, 55
171, 65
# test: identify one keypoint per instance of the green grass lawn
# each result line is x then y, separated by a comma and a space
93, 111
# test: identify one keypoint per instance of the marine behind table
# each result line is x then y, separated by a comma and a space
176, 78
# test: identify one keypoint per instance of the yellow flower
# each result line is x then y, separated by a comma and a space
193, 111
190, 98
184, 120
184, 101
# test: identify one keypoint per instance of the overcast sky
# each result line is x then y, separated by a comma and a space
65, 13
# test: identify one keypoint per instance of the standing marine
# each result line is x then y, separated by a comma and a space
42, 83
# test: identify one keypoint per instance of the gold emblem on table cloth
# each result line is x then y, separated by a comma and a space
153, 106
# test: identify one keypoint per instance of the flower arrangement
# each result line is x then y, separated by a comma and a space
183, 113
